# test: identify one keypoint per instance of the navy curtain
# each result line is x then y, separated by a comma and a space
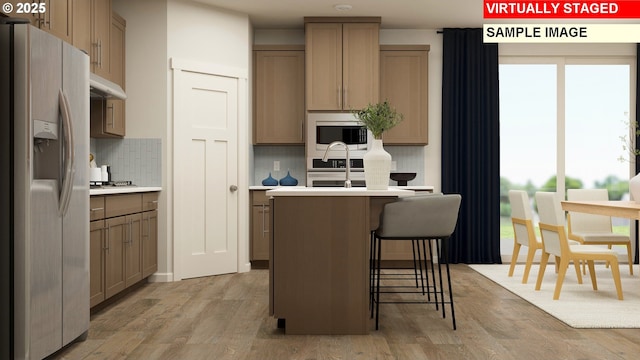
471, 143
636, 257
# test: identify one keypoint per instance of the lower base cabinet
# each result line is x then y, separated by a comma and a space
97, 237
123, 245
259, 225
149, 242
259, 240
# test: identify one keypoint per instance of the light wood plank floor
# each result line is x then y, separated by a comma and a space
225, 317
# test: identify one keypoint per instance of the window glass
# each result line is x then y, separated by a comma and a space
563, 122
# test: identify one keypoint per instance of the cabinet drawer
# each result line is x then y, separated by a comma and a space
150, 201
96, 208
259, 197
116, 205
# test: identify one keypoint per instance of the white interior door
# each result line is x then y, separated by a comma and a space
206, 172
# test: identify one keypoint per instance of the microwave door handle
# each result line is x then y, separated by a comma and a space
69, 154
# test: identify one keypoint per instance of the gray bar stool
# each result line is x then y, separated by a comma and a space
420, 266
420, 218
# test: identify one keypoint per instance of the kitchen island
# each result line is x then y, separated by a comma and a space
319, 250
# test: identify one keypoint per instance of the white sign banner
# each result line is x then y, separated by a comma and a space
561, 33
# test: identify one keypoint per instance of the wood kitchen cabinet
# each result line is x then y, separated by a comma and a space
22, 12
116, 238
123, 242
81, 25
117, 49
108, 117
259, 225
58, 19
52, 16
97, 248
133, 250
101, 38
342, 63
404, 83
149, 233
279, 115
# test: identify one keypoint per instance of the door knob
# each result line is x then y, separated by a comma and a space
233, 188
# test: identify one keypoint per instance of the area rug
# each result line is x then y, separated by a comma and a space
579, 305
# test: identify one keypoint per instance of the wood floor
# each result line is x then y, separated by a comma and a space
225, 317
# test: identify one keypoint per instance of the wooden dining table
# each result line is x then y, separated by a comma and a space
614, 208
622, 209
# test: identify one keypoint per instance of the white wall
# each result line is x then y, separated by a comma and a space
146, 88
156, 32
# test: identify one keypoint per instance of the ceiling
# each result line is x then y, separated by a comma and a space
396, 14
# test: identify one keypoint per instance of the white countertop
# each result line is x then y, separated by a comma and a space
410, 187
262, 187
337, 191
123, 190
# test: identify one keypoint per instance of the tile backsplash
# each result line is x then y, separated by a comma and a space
138, 160
408, 159
292, 158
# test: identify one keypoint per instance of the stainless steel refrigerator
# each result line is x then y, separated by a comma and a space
44, 126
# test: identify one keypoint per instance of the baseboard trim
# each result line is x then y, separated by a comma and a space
161, 277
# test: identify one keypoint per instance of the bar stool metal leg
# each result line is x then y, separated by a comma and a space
378, 282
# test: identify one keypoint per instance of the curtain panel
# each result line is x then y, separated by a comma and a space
471, 143
636, 256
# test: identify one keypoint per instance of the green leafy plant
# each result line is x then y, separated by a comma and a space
378, 118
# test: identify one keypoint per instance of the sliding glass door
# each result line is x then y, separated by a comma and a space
563, 124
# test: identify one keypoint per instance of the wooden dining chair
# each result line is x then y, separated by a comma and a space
523, 231
590, 229
555, 242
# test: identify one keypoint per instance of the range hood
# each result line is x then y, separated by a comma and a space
103, 88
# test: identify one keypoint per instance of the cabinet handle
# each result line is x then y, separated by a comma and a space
94, 56
112, 116
130, 235
100, 53
339, 96
108, 240
96, 209
265, 210
344, 95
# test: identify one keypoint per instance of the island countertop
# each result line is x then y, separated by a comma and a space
337, 191
114, 190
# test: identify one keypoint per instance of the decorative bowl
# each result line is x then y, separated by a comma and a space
402, 177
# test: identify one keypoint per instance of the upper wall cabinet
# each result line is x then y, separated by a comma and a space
82, 25
52, 16
404, 83
342, 62
117, 50
278, 94
58, 19
108, 118
101, 38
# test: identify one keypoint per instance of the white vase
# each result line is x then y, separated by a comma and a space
377, 167
634, 188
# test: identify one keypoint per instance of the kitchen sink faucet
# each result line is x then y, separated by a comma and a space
347, 181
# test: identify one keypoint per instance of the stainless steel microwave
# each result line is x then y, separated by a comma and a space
325, 128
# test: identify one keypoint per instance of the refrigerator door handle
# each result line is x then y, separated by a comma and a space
69, 154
